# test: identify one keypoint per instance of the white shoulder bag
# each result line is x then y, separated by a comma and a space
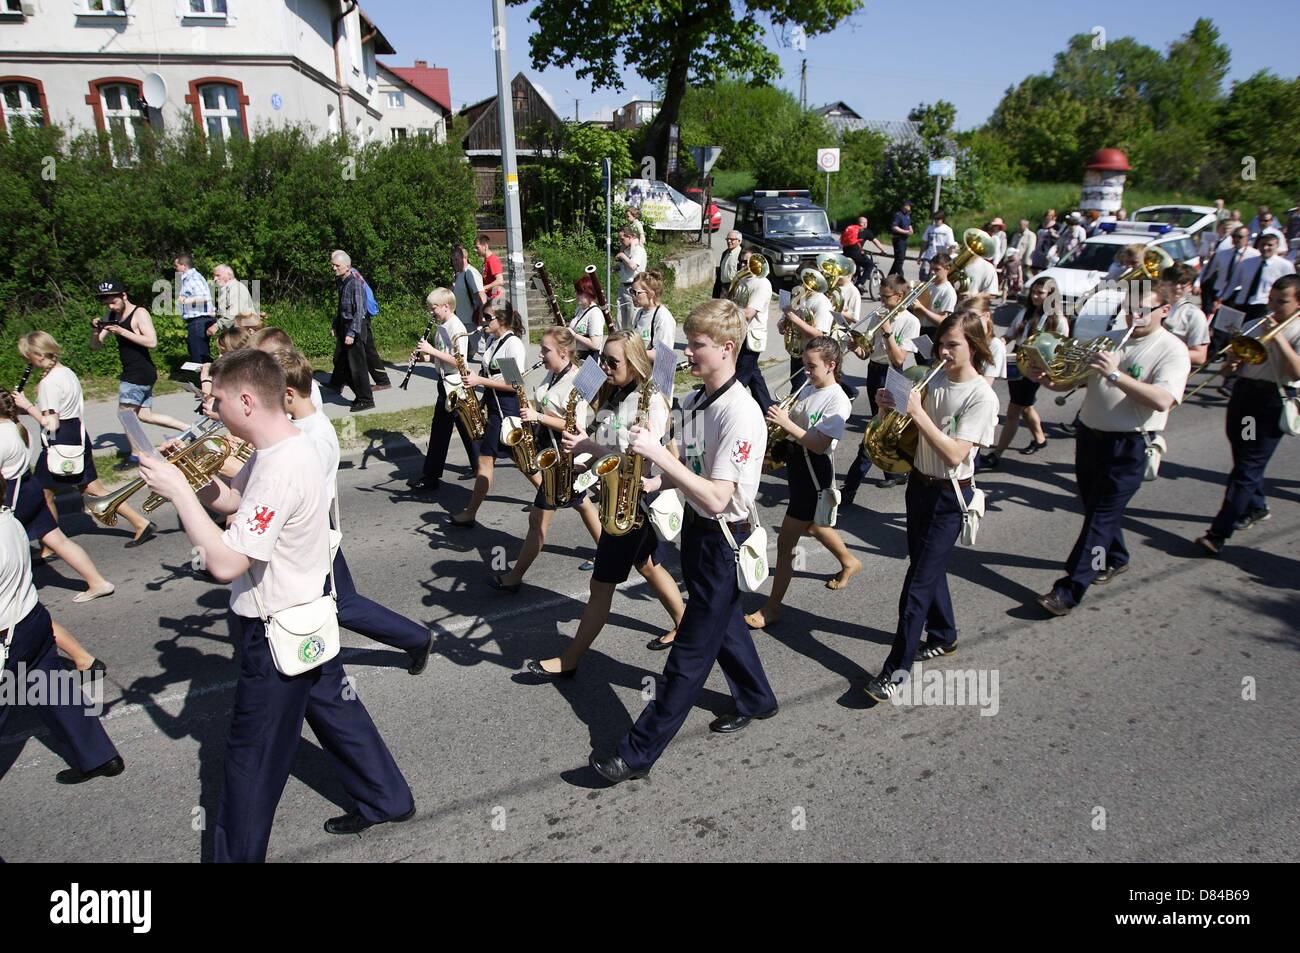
65, 459
665, 512
828, 499
302, 637
751, 555
972, 513
1290, 421
1155, 452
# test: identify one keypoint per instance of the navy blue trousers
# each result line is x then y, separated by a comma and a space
265, 729
367, 617
1245, 492
444, 420
861, 465
1108, 467
79, 731
933, 524
713, 629
196, 339
750, 375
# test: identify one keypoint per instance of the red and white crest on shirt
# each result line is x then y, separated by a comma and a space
740, 451
261, 519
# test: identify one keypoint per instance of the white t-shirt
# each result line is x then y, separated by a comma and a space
825, 410
1270, 370
756, 293
814, 309
907, 327
325, 442
466, 288
852, 298
553, 397
316, 400
726, 441
508, 345
998, 366
17, 594
282, 525
1187, 322
614, 424
637, 254
656, 326
1019, 330
983, 278
15, 456
444, 335
938, 239
60, 391
965, 411
589, 323
943, 298
1160, 359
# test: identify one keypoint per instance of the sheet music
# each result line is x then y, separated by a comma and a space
510, 371
1088, 326
1229, 320
140, 441
665, 369
589, 380
899, 387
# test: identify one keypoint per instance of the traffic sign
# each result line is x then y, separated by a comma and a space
946, 167
828, 160
705, 156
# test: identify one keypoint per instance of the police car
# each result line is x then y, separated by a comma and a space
1192, 219
786, 228
1083, 269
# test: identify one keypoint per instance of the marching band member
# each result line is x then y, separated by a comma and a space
810, 312
653, 321
59, 408
890, 346
27, 634
956, 416
943, 296
363, 616
505, 329
754, 298
815, 425
1257, 397
723, 444
29, 506
276, 339
451, 337
1036, 315
552, 403
1127, 400
1186, 321
588, 323
276, 551
850, 301
627, 367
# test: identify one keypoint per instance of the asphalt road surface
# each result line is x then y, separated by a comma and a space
1118, 733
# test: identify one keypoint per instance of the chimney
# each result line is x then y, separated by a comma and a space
421, 64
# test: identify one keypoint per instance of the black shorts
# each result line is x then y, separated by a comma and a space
803, 492
68, 433
616, 555
30, 509
492, 445
1023, 391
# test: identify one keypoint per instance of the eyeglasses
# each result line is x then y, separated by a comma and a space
608, 362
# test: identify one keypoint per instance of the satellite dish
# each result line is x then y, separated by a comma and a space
155, 90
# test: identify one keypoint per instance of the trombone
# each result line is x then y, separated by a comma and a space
1246, 349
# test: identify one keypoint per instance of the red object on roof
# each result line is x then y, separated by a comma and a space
1108, 160
430, 80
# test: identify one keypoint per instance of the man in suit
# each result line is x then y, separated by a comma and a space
727, 265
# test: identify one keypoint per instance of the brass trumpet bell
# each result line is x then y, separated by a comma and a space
813, 280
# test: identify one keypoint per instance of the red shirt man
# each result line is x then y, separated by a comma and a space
493, 277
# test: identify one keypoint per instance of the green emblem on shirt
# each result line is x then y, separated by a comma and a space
813, 418
1134, 371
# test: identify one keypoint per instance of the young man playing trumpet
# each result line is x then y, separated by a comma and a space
1126, 403
1254, 423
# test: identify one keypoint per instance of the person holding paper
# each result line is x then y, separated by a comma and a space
627, 368
451, 338
957, 415
553, 395
505, 328
1126, 405
1254, 420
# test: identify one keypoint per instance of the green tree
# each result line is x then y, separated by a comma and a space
672, 41
724, 112
934, 125
569, 187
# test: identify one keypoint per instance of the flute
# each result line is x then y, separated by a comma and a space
410, 368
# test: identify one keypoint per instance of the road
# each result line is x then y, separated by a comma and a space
1128, 715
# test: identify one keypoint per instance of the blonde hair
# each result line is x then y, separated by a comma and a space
638, 361
652, 282
981, 303
563, 338
274, 338
234, 339
443, 296
720, 319
38, 344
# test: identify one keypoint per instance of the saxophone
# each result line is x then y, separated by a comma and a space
556, 465
462, 401
522, 446
620, 479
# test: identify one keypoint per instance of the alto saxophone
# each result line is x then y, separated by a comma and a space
462, 400
557, 465
620, 479
522, 446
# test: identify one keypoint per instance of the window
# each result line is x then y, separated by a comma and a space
396, 99
424, 133
11, 6
22, 103
122, 115
106, 7
218, 105
207, 8
397, 133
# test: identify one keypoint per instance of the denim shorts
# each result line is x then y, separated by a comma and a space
134, 395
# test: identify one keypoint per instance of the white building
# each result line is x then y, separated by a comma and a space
227, 66
416, 101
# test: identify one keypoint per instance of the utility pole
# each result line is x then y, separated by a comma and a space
803, 85
518, 293
575, 109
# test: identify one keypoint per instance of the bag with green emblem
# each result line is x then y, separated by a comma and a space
751, 555
302, 637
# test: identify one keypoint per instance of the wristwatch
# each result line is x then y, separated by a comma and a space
1113, 376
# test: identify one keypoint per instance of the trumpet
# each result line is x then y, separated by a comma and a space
1247, 349
890, 440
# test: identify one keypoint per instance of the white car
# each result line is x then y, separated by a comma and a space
1192, 219
1087, 266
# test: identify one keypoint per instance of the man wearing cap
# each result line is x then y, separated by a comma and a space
901, 230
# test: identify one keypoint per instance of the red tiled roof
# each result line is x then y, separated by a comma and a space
430, 80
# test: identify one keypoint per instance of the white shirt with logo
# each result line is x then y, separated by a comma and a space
590, 323
17, 593
1160, 359
726, 441
1187, 322
965, 411
1270, 370
60, 391
614, 424
508, 345
907, 327
824, 409
983, 278
756, 293
656, 326
553, 398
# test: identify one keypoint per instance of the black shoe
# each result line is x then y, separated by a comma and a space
149, 532
98, 666
989, 461
535, 668
1069, 430
495, 582
451, 520
420, 657
354, 823
1210, 544
1251, 518
1053, 604
932, 650
894, 479
658, 645
109, 769
1033, 447
359, 405
727, 724
586, 566
613, 769
1106, 575
881, 689
424, 484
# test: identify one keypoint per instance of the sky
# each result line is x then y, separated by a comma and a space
883, 61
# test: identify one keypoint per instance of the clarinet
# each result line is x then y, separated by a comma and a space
22, 381
410, 368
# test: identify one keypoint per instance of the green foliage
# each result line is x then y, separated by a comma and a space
567, 257
729, 183
737, 116
564, 189
906, 175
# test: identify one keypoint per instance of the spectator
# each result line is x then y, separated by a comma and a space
1214, 279
1072, 236
1045, 247
233, 300
901, 230
937, 239
494, 279
631, 262
634, 220
195, 302
1210, 241
1268, 226
854, 241
1020, 251
353, 337
727, 264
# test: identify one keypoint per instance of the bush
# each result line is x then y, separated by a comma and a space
567, 257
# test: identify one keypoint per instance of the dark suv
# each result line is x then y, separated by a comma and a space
787, 228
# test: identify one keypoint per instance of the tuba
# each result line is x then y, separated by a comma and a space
755, 267
890, 440
620, 479
462, 401
811, 280
556, 465
520, 442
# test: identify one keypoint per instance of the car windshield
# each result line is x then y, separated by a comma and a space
1090, 256
1177, 217
803, 222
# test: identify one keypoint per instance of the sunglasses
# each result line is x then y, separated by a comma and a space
608, 362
